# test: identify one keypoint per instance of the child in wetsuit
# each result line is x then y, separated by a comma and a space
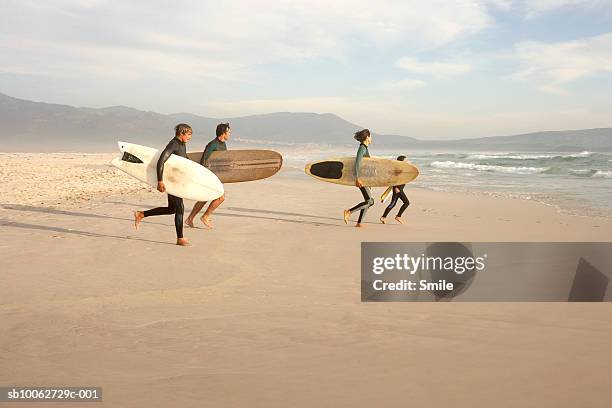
398, 192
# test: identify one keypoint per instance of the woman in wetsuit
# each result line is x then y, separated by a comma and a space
364, 138
398, 192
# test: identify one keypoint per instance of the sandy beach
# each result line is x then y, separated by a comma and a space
264, 310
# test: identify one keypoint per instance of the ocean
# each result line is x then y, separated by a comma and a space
578, 183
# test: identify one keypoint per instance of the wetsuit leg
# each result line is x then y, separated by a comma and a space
391, 204
363, 206
161, 210
179, 210
403, 197
175, 206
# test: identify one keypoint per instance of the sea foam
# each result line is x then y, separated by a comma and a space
489, 168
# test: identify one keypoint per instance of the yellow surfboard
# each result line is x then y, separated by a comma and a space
385, 196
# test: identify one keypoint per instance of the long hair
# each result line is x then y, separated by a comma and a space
362, 135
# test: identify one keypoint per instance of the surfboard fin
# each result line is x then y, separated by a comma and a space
130, 158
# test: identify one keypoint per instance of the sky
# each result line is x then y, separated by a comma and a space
427, 69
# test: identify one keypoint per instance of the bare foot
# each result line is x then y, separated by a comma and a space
138, 216
189, 222
346, 216
399, 219
206, 221
182, 242
359, 225
383, 220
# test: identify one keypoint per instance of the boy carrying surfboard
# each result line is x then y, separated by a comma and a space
223, 133
398, 192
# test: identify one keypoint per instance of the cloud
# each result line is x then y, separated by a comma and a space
436, 69
552, 66
538, 8
156, 36
504, 5
119, 63
405, 84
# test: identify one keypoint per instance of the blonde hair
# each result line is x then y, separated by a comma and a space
182, 129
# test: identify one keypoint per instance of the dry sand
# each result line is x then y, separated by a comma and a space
265, 309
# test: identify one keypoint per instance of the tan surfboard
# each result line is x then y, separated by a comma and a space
235, 166
374, 172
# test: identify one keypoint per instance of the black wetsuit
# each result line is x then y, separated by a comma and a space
175, 204
365, 191
401, 195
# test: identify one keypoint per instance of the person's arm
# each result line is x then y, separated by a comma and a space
360, 153
163, 157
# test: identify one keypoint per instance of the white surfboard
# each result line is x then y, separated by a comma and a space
182, 177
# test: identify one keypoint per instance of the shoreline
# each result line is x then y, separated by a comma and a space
94, 172
560, 207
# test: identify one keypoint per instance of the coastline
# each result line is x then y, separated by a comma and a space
71, 179
265, 308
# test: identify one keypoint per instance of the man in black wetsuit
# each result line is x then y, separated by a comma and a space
398, 192
223, 133
182, 134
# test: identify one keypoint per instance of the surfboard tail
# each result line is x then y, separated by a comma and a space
384, 195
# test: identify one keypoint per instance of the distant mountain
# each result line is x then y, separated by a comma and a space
565, 140
36, 126
280, 127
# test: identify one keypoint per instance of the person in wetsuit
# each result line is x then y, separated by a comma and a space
182, 134
223, 133
398, 192
364, 138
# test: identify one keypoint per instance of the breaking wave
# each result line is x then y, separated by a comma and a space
493, 156
489, 168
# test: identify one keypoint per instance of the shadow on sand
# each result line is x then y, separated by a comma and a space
55, 211
315, 223
22, 225
226, 214
240, 209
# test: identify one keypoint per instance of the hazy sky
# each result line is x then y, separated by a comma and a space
427, 69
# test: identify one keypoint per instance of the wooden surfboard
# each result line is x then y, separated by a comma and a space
375, 172
182, 177
235, 166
